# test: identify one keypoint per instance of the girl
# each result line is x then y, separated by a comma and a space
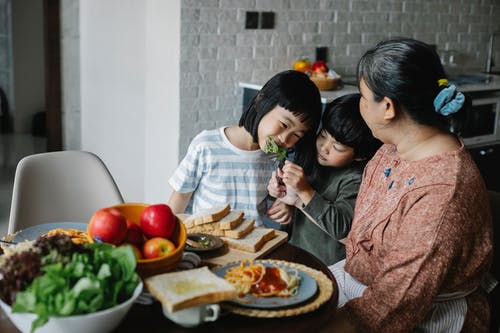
229, 164
420, 245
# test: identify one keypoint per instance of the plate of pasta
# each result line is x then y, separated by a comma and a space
265, 285
76, 230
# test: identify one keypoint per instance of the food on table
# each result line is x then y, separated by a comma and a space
207, 215
253, 241
157, 247
262, 281
157, 221
302, 65
134, 234
77, 236
108, 225
241, 229
180, 290
56, 277
229, 221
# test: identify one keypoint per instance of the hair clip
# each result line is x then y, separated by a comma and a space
443, 82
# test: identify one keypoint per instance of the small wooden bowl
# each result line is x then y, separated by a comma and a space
325, 82
168, 263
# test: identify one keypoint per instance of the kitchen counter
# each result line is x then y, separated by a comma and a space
326, 95
467, 82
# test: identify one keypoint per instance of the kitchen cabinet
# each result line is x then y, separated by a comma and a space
487, 159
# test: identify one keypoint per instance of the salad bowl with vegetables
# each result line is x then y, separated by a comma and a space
54, 285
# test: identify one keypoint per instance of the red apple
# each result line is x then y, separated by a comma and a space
157, 221
134, 234
319, 67
157, 247
108, 225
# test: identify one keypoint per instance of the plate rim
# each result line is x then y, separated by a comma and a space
19, 233
212, 237
266, 306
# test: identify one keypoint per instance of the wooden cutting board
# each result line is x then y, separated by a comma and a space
229, 255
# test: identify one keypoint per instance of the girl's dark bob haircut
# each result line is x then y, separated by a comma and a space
295, 92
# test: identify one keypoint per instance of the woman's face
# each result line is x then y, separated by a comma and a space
371, 110
331, 152
283, 126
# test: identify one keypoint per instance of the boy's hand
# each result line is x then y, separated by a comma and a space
280, 212
275, 189
296, 184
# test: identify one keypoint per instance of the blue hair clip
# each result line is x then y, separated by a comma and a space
447, 102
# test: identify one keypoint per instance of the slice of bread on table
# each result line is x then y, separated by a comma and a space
184, 289
230, 221
244, 227
253, 241
207, 216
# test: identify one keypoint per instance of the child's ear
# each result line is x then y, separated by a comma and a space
389, 108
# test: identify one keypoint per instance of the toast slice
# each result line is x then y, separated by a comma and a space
230, 221
184, 289
244, 228
252, 242
207, 216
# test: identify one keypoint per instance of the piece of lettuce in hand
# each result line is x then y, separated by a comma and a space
273, 148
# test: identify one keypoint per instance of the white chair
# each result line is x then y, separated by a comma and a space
63, 186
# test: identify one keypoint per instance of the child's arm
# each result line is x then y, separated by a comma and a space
280, 212
179, 201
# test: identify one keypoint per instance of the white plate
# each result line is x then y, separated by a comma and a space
32, 233
307, 289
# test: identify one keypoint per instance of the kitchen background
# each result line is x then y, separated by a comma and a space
204, 47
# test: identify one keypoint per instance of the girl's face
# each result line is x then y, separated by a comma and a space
332, 153
283, 126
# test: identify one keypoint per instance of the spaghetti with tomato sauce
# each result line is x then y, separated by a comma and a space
262, 281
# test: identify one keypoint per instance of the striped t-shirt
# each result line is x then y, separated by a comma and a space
219, 173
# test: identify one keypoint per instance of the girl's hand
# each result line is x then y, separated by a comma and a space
275, 189
280, 212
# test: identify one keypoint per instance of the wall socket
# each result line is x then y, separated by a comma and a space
259, 20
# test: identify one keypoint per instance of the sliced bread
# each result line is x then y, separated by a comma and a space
253, 241
184, 289
230, 221
244, 228
207, 216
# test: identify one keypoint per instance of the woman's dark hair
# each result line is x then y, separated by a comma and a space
295, 92
407, 71
342, 120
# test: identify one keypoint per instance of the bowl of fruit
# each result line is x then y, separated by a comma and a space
153, 231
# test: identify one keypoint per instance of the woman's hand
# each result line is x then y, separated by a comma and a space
280, 212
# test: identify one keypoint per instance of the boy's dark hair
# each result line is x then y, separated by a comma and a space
342, 120
295, 92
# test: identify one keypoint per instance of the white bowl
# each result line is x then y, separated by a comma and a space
97, 322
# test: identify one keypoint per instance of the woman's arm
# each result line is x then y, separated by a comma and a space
179, 201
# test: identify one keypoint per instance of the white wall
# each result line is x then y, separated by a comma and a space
130, 91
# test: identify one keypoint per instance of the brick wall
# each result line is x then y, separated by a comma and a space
217, 52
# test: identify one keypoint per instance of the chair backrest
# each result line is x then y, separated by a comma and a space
63, 186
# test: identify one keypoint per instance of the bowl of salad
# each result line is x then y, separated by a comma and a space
53, 285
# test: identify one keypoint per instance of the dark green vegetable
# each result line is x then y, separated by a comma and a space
273, 148
77, 282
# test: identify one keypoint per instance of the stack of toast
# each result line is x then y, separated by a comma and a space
231, 225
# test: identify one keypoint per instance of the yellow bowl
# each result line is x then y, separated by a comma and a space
168, 263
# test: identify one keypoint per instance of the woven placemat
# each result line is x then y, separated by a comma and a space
325, 291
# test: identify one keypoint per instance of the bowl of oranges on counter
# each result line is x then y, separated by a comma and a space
154, 232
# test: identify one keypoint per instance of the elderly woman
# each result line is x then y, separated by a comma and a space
420, 246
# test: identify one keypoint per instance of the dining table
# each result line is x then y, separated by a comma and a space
149, 318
